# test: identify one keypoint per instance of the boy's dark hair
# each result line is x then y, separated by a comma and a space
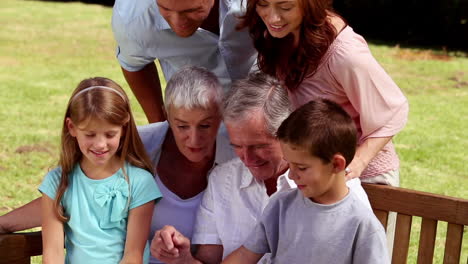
322, 127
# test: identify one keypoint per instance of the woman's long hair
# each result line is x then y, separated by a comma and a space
280, 57
101, 104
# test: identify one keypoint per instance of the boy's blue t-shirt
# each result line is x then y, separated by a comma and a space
98, 212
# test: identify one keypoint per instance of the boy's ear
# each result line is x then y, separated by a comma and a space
339, 163
71, 127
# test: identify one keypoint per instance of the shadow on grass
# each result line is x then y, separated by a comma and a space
108, 3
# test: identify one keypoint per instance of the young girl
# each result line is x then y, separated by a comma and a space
102, 194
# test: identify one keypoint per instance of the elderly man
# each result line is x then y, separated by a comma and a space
239, 189
178, 33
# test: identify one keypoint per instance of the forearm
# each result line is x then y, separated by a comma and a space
369, 149
24, 217
364, 154
146, 87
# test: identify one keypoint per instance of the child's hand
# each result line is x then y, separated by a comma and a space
170, 246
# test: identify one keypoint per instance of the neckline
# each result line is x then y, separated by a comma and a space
86, 178
168, 192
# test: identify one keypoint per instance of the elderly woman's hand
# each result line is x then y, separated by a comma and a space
170, 246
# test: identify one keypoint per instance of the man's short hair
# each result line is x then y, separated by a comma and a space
258, 92
193, 87
323, 128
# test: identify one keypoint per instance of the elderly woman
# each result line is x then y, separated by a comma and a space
184, 149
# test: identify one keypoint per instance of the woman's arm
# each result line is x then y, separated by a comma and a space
138, 228
364, 154
242, 256
52, 233
24, 217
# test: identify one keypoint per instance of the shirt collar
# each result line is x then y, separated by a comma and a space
282, 183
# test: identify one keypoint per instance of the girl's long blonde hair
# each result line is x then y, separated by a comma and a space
102, 104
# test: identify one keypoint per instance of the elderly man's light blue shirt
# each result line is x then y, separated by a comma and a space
143, 35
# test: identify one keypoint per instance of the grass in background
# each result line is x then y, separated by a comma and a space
46, 48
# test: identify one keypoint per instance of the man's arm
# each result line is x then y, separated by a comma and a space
24, 217
209, 254
146, 87
242, 255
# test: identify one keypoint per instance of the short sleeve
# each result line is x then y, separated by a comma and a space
382, 107
370, 240
51, 182
372, 250
144, 187
264, 236
132, 56
257, 240
205, 228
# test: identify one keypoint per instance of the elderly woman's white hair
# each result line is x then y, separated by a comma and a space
193, 87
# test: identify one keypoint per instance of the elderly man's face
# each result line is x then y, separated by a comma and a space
185, 16
259, 151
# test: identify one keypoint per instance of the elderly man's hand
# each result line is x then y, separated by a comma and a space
170, 246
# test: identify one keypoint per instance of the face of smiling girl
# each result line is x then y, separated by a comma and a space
98, 141
281, 17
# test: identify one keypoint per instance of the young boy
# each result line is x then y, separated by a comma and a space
321, 221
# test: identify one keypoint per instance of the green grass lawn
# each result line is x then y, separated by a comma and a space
46, 48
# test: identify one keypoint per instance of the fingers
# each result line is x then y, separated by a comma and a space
166, 244
351, 176
180, 241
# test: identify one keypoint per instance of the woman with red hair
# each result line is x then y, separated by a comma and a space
309, 47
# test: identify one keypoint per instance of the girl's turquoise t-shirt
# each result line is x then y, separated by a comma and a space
98, 212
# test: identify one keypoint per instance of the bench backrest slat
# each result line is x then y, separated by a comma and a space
382, 216
453, 244
427, 239
402, 236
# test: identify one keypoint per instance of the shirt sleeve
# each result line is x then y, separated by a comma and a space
132, 56
257, 240
51, 182
264, 236
382, 107
205, 228
371, 245
144, 187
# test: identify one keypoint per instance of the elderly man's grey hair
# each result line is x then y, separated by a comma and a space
193, 87
258, 92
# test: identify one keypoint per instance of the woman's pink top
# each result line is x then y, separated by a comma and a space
350, 76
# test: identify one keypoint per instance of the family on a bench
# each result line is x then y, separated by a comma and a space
259, 167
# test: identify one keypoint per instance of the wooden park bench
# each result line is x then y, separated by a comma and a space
19, 247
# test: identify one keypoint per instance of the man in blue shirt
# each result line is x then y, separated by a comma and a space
178, 33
